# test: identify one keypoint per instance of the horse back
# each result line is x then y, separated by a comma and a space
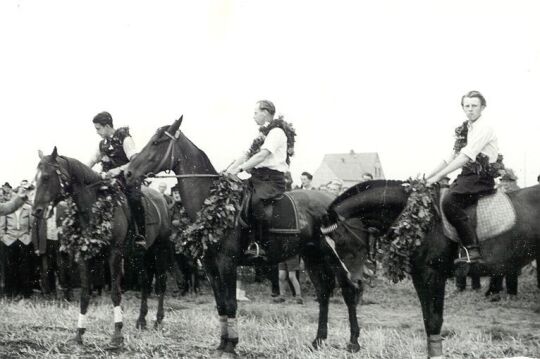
156, 214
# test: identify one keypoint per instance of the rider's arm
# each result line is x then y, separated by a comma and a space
455, 164
95, 159
255, 160
129, 147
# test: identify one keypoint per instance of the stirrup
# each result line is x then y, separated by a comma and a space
467, 258
250, 249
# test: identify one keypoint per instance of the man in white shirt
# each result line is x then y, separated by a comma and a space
267, 165
476, 153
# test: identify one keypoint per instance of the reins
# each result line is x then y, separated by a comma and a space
170, 154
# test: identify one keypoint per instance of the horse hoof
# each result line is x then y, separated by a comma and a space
353, 347
116, 343
158, 325
77, 339
494, 298
317, 343
141, 324
229, 355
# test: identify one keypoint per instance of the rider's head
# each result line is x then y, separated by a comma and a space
264, 112
473, 103
103, 123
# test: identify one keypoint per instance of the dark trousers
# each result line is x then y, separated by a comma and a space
265, 184
454, 205
19, 269
134, 197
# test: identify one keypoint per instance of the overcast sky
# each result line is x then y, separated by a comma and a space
372, 76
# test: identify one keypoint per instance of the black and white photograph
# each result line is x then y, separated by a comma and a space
270, 179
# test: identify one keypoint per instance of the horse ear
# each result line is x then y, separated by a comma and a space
176, 125
40, 154
54, 154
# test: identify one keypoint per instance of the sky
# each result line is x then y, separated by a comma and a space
369, 76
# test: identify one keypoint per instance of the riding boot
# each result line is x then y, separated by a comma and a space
470, 246
140, 225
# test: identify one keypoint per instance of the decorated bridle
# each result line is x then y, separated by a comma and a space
169, 156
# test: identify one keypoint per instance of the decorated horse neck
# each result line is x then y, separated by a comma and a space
378, 203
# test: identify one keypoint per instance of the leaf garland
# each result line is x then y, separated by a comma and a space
461, 137
408, 231
287, 127
214, 219
88, 242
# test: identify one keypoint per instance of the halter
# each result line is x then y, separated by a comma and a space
170, 154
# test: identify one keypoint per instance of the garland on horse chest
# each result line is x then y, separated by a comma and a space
88, 242
214, 219
409, 230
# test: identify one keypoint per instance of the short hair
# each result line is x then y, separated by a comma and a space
103, 118
538, 178
268, 106
472, 94
308, 175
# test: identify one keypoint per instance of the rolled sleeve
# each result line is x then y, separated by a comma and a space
273, 140
129, 147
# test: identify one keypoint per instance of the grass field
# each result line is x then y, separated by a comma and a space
391, 326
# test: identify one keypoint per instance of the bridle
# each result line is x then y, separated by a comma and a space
170, 157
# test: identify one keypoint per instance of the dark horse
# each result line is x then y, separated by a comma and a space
379, 203
170, 149
59, 177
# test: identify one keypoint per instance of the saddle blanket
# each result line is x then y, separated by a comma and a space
495, 214
282, 213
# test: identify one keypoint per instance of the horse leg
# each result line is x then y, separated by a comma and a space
146, 273
212, 272
323, 280
351, 295
162, 263
430, 285
495, 287
511, 280
84, 300
115, 265
538, 267
475, 281
227, 270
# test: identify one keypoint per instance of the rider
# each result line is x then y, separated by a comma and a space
267, 161
115, 151
475, 152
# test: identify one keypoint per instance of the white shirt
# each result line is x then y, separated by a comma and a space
481, 138
276, 143
52, 229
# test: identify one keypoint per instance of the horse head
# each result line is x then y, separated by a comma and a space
155, 157
51, 178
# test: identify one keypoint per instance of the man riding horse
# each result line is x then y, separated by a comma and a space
267, 161
115, 151
476, 153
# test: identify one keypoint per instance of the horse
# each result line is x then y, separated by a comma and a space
59, 177
378, 204
170, 149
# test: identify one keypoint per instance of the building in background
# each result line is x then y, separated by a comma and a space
348, 167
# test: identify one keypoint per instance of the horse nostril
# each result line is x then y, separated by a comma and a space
128, 174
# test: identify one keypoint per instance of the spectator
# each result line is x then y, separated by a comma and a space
288, 181
306, 179
288, 269
334, 187
508, 181
6, 192
15, 235
366, 176
48, 252
323, 188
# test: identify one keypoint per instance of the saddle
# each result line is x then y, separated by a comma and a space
494, 214
281, 214
152, 216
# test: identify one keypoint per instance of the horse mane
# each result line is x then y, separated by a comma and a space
80, 171
362, 187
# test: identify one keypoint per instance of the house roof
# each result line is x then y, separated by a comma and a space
351, 166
